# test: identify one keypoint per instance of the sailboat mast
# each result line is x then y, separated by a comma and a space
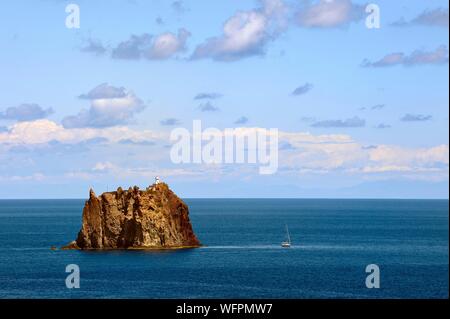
288, 236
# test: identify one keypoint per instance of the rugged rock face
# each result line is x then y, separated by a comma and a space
135, 219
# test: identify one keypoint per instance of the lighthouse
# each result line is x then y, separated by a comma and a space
157, 180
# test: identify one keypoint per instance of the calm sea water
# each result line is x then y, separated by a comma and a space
333, 241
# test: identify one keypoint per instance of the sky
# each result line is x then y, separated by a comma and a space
361, 112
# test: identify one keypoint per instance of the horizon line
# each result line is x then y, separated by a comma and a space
260, 198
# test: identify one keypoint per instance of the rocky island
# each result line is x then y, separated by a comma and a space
155, 218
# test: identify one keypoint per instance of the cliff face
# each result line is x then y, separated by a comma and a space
154, 218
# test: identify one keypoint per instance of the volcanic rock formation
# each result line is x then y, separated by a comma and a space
155, 218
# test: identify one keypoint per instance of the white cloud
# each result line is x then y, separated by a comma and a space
320, 154
418, 57
399, 156
103, 166
110, 106
159, 47
25, 112
329, 14
104, 91
45, 131
434, 18
168, 44
246, 33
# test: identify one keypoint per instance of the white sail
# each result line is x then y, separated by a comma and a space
288, 235
287, 243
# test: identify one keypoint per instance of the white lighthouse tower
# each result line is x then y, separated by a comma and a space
157, 180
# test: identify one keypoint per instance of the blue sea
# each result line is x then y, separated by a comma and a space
332, 243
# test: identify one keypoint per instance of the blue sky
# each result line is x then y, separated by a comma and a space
94, 106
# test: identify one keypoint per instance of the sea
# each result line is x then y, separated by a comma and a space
333, 243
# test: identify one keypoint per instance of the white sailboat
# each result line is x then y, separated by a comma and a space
287, 244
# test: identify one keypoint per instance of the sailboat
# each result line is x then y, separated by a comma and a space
287, 244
